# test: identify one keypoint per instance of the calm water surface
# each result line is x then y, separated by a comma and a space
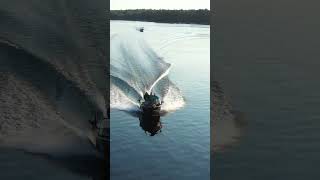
266, 57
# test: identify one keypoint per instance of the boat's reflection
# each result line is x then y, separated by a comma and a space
150, 123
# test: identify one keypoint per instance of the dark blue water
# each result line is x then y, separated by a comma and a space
267, 59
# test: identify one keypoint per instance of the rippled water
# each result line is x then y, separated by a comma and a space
267, 60
181, 149
52, 80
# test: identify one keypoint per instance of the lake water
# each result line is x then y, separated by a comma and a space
266, 57
182, 149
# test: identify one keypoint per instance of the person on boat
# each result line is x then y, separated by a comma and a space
146, 96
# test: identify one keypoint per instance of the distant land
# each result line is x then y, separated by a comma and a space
201, 16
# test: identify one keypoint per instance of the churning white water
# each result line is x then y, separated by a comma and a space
135, 68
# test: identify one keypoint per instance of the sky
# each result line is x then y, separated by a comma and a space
159, 4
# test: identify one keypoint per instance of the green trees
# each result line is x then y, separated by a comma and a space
200, 16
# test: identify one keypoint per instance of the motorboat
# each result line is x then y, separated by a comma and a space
100, 131
141, 29
151, 104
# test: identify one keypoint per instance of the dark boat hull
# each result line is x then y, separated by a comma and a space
151, 110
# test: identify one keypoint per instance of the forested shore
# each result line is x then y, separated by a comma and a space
201, 16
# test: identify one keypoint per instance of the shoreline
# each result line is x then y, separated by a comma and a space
187, 24
200, 16
160, 22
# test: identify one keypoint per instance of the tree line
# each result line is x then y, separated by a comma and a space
201, 16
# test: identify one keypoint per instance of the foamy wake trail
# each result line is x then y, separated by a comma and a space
52, 75
136, 69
